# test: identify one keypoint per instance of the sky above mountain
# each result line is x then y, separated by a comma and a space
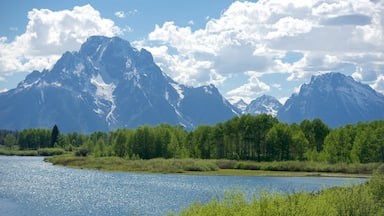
245, 48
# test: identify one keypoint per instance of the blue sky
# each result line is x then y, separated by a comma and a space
245, 48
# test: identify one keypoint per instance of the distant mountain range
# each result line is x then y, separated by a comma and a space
263, 104
109, 84
334, 98
106, 85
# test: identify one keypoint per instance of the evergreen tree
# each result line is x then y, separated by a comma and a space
54, 135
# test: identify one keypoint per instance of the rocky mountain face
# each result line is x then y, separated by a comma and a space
334, 98
241, 105
264, 104
106, 85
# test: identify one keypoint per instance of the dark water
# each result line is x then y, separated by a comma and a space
29, 186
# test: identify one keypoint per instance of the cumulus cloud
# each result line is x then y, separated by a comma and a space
256, 36
123, 14
379, 84
248, 90
49, 34
120, 14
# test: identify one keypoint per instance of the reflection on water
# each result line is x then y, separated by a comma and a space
29, 186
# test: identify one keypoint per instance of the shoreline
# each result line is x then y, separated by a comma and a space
185, 167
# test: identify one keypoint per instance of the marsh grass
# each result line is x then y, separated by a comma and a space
212, 167
300, 166
357, 201
157, 165
39, 152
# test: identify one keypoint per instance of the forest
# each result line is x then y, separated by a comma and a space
256, 138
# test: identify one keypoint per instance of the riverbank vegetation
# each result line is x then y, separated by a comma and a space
361, 200
38, 152
248, 142
215, 167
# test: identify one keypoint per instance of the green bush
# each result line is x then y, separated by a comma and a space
50, 151
356, 201
226, 164
81, 152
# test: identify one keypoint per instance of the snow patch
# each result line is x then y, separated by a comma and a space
166, 96
128, 63
179, 90
79, 68
133, 74
56, 84
104, 92
207, 90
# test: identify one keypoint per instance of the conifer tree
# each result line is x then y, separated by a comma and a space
54, 135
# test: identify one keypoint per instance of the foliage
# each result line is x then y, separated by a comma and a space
156, 165
50, 151
246, 138
10, 140
366, 199
81, 152
54, 135
299, 166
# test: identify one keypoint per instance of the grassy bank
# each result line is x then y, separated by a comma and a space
214, 167
40, 152
157, 165
364, 200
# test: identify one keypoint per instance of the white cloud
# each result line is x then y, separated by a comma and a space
250, 90
123, 14
120, 14
379, 84
255, 36
49, 34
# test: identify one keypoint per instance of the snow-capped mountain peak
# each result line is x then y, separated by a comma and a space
108, 84
336, 99
241, 105
264, 104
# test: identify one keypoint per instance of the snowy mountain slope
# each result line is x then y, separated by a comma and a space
108, 84
264, 104
334, 98
241, 105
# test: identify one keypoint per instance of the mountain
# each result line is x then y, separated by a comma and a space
108, 84
264, 104
241, 105
334, 98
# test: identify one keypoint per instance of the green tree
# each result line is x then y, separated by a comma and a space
299, 143
54, 135
279, 141
120, 145
338, 145
321, 130
100, 148
364, 149
10, 140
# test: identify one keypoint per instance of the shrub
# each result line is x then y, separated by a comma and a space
226, 164
50, 151
81, 152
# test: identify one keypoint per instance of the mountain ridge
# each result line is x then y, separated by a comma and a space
264, 104
106, 85
334, 98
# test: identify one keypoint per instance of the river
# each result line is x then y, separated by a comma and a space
30, 186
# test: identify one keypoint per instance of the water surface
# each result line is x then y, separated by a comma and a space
29, 186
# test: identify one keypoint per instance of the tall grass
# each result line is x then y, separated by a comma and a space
352, 201
300, 166
157, 165
39, 152
160, 165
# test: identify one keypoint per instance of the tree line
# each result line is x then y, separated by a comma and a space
257, 138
